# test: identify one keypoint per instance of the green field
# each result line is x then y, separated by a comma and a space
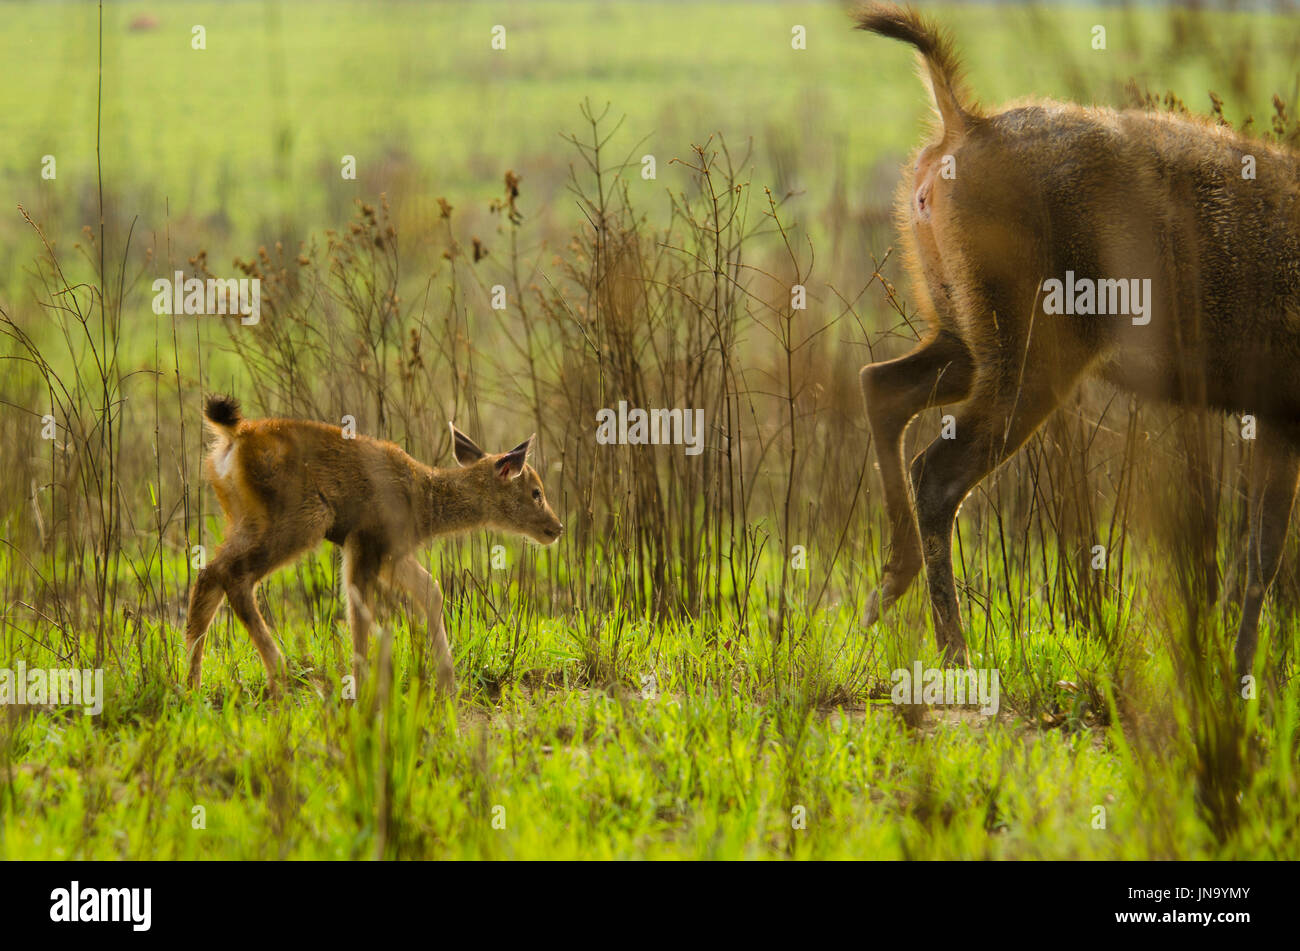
721, 764
242, 141
667, 681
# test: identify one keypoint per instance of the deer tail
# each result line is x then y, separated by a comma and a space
942, 71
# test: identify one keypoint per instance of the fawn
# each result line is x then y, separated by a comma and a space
1003, 209
286, 484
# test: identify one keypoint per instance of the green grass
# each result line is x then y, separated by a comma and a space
736, 754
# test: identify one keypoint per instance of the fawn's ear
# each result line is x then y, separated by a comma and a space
510, 464
463, 448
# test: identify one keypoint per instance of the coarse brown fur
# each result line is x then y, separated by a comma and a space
1043, 188
285, 485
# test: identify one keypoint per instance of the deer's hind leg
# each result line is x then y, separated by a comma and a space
938, 371
410, 576
1272, 494
363, 558
1005, 407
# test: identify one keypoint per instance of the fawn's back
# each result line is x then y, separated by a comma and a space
273, 469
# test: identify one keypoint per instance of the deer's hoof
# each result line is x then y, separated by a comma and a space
954, 652
872, 613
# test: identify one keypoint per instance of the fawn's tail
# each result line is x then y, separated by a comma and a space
222, 413
942, 69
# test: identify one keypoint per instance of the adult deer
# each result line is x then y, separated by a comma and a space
1049, 242
285, 485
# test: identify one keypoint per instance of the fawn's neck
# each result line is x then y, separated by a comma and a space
453, 503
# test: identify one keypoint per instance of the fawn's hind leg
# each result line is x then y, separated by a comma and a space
243, 602
205, 599
938, 371
1272, 494
411, 577
235, 571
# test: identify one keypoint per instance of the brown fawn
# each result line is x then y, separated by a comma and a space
1002, 211
285, 485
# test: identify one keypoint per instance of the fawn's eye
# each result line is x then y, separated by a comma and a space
537, 494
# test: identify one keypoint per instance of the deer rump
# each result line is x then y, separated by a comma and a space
1048, 242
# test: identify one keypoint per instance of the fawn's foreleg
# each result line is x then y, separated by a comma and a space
411, 577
